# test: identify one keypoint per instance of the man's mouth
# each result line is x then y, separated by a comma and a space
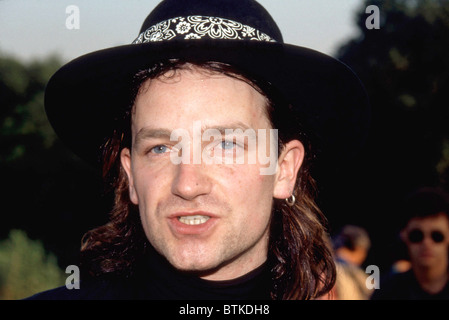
193, 220
192, 223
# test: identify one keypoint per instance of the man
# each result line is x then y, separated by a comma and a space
351, 247
205, 126
426, 235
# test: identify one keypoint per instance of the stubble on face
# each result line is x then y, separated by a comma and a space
237, 195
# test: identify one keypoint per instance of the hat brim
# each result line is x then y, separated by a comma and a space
84, 97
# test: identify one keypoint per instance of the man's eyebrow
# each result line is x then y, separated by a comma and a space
148, 133
163, 133
231, 126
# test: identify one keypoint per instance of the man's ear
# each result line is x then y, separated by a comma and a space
290, 160
125, 159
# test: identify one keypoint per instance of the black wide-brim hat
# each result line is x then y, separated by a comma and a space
85, 96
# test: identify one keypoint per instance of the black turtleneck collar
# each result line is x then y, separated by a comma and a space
160, 280
156, 279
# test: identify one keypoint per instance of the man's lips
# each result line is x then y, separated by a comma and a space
192, 214
193, 220
426, 254
191, 223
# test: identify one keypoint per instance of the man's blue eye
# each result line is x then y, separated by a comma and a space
159, 149
227, 144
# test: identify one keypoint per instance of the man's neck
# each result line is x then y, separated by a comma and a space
348, 256
432, 279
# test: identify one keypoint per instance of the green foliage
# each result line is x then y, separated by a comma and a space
52, 194
404, 66
24, 128
49, 192
25, 267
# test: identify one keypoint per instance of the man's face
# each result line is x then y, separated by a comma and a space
209, 217
427, 250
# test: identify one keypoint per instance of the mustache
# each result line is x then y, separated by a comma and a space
201, 203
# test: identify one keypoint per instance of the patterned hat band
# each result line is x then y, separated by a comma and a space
198, 27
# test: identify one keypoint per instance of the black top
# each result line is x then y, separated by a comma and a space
156, 279
404, 286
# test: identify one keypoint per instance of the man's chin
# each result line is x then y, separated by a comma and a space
201, 270
188, 261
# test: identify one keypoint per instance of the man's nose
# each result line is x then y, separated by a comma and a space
191, 181
427, 242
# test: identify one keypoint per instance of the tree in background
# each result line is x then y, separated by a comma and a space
405, 68
24, 127
25, 267
45, 189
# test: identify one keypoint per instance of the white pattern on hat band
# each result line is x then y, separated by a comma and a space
198, 27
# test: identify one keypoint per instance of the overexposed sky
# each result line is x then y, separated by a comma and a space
31, 29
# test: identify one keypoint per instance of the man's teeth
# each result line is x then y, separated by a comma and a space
193, 219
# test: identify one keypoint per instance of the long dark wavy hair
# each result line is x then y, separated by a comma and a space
300, 257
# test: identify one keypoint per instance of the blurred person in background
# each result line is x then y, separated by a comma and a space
425, 232
351, 247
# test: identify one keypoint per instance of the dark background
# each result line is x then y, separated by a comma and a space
52, 195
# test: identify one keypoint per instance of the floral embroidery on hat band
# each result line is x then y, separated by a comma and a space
198, 27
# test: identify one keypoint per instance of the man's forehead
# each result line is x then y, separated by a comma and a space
171, 105
191, 73
198, 75
202, 125
437, 220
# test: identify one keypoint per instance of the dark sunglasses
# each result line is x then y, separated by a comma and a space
417, 236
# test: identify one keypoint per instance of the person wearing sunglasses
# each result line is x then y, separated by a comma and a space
426, 236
